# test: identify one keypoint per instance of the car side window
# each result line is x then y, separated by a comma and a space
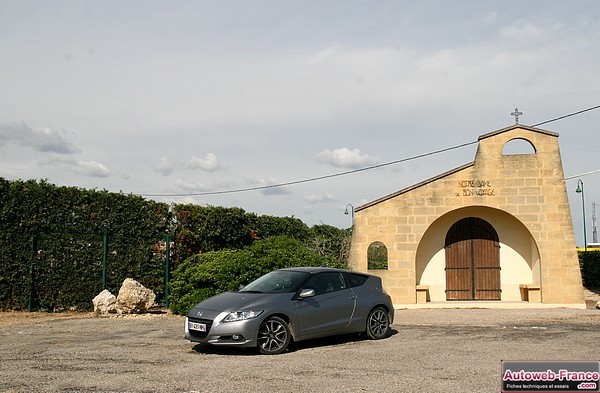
356, 280
325, 283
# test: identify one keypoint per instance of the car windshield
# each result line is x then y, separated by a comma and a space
278, 281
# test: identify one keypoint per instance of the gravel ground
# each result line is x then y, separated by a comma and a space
433, 350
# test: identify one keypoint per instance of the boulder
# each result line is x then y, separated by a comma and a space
134, 298
105, 303
598, 305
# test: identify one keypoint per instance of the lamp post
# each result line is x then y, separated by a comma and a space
580, 190
351, 212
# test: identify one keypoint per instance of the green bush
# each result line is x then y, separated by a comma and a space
204, 275
590, 268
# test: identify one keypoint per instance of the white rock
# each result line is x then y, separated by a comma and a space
105, 303
134, 297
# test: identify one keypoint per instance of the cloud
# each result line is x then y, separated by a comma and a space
165, 166
208, 163
270, 185
345, 158
86, 168
45, 140
55, 144
190, 186
324, 198
91, 168
522, 31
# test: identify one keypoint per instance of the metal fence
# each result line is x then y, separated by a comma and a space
67, 269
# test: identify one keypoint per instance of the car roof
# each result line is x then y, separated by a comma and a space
314, 270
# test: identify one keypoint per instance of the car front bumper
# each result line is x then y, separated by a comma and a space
239, 333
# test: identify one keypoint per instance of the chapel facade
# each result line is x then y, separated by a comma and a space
497, 229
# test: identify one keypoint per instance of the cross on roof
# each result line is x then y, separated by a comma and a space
516, 114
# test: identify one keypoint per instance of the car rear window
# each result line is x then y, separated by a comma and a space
356, 280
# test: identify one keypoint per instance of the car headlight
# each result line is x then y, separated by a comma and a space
241, 315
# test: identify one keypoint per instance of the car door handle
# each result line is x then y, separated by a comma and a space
353, 297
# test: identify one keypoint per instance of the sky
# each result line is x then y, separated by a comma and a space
181, 101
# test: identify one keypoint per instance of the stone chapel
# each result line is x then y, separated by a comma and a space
498, 229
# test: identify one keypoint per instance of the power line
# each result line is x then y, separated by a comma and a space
565, 116
312, 179
291, 183
582, 174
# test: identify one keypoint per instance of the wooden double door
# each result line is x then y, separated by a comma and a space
472, 261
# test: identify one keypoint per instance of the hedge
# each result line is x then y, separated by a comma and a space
590, 268
53, 241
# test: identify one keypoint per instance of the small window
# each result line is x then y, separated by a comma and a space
518, 146
377, 256
356, 280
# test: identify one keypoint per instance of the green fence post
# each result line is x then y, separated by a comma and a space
167, 257
104, 252
33, 252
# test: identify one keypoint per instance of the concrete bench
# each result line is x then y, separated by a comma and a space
422, 293
531, 293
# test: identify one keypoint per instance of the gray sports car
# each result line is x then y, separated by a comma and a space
293, 304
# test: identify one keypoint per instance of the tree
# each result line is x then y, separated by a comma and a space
330, 241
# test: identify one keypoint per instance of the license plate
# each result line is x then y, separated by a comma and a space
201, 327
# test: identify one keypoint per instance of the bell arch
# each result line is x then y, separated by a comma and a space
518, 146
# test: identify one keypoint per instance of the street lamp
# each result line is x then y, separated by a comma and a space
580, 190
350, 212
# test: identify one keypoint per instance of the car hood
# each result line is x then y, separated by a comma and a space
236, 301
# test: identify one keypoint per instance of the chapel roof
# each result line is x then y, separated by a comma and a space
414, 186
514, 126
455, 170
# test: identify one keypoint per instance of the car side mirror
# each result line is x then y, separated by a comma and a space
308, 292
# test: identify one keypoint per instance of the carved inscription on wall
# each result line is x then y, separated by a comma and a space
475, 188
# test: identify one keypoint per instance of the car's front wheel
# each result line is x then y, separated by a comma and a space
378, 323
273, 336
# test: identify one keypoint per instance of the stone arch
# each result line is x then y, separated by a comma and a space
519, 253
518, 146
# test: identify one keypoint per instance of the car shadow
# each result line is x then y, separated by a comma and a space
207, 349
330, 341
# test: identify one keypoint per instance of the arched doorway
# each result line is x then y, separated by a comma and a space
472, 253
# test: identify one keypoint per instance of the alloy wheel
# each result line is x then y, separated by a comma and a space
273, 336
378, 324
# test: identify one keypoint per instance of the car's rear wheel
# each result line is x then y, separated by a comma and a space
378, 323
273, 336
